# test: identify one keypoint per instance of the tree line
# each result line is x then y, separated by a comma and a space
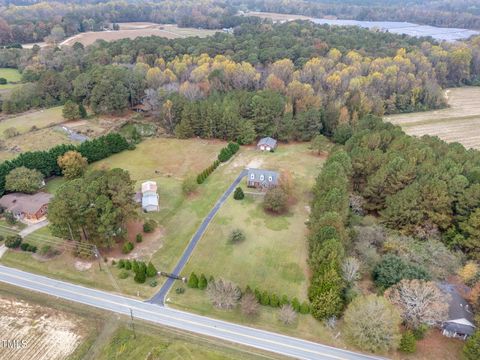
46, 161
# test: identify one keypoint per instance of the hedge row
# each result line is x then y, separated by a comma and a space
28, 247
227, 152
263, 297
46, 161
141, 270
206, 173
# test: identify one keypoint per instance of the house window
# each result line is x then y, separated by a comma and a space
262, 177
270, 179
252, 176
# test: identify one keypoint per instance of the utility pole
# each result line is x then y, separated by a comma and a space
133, 324
99, 258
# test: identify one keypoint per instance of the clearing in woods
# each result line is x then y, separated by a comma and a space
458, 123
134, 30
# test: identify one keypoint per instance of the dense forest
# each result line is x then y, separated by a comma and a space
33, 21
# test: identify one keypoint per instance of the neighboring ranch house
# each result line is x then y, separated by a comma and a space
267, 144
31, 207
460, 317
262, 179
149, 196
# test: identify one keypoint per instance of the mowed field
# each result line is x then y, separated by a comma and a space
134, 30
277, 17
460, 122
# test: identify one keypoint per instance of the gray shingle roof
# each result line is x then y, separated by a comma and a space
459, 308
255, 175
267, 141
25, 203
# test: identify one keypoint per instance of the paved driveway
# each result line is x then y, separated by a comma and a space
159, 297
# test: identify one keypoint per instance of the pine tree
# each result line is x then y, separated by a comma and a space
151, 270
408, 342
193, 281
238, 194
202, 282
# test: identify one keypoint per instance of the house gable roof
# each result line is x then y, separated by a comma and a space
255, 175
267, 141
459, 310
149, 186
25, 203
149, 200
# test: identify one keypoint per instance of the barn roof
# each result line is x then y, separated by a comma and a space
149, 186
149, 200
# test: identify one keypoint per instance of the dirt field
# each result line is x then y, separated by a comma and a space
277, 16
49, 334
458, 123
134, 30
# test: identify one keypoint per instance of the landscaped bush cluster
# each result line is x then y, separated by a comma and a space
13, 241
206, 173
28, 247
141, 270
262, 297
46, 161
149, 226
227, 152
328, 236
127, 247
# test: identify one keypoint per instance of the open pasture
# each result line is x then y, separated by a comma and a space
457, 123
134, 30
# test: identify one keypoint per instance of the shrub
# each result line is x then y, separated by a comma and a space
149, 226
392, 269
10, 218
13, 241
274, 301
275, 200
296, 304
151, 270
189, 185
128, 265
420, 331
24, 246
3, 81
233, 147
304, 308
24, 180
265, 299
114, 262
123, 274
139, 238
202, 282
408, 342
238, 194
193, 281
153, 283
236, 236
471, 350
180, 290
249, 304
2, 238
48, 251
287, 314
10, 132
127, 247
140, 277
225, 154
284, 300
135, 266
121, 264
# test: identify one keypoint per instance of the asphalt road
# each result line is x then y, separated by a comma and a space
159, 297
268, 341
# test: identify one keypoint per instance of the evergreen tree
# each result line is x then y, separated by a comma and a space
151, 270
193, 281
202, 282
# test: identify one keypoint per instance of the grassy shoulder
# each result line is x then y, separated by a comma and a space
110, 336
12, 76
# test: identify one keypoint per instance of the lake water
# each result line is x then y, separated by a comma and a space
438, 33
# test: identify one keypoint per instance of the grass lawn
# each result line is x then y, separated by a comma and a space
40, 119
12, 75
273, 256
